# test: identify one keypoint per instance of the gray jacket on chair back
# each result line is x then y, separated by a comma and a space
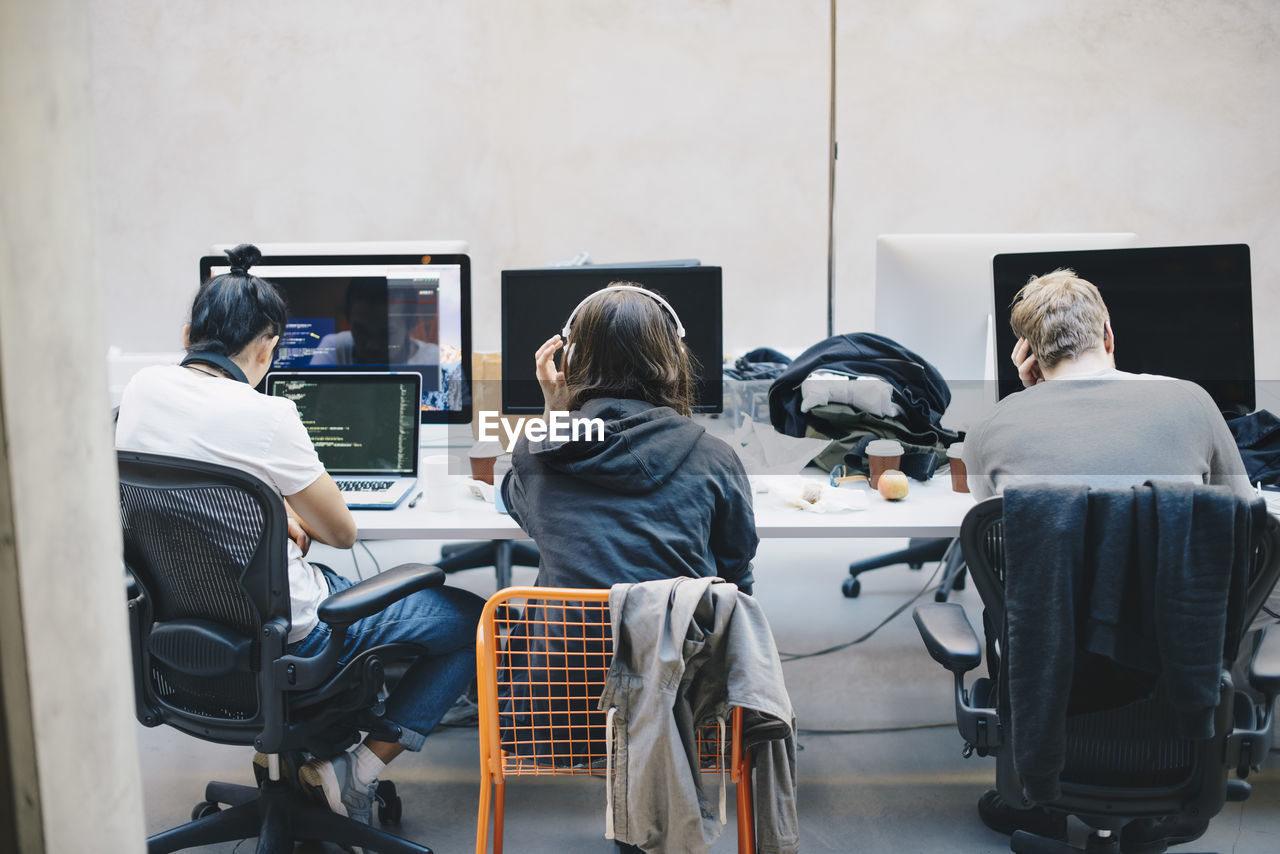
685, 652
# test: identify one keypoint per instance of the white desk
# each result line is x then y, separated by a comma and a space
929, 510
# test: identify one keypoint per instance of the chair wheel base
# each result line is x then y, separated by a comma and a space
851, 587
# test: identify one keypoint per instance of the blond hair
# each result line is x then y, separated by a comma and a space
1061, 316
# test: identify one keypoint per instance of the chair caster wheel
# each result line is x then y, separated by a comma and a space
203, 810
389, 805
940, 596
851, 587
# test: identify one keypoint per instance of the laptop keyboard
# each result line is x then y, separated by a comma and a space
364, 485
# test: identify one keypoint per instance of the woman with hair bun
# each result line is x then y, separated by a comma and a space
206, 408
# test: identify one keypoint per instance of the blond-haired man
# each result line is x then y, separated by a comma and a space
1081, 420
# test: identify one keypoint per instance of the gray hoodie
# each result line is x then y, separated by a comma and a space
685, 652
655, 498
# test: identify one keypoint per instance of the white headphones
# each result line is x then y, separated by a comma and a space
564, 333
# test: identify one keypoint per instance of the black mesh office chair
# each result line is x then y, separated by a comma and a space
502, 555
1122, 764
206, 563
919, 551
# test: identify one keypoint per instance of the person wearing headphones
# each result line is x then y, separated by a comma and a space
656, 496
653, 497
207, 409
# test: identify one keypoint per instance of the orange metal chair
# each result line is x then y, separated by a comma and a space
563, 733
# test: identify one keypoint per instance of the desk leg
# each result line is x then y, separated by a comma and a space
502, 562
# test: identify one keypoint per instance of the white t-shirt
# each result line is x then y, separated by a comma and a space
173, 410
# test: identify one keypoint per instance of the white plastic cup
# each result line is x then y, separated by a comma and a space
438, 488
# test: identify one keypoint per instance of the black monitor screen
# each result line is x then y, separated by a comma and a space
377, 313
536, 304
1179, 311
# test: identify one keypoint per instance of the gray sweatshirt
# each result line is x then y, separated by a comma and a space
1112, 429
686, 651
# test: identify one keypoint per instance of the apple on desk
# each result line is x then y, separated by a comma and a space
892, 485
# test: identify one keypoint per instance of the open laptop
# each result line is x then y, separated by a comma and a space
364, 427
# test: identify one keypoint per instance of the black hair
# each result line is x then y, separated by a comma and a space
232, 310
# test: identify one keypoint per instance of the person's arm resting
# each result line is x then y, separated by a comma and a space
1226, 467
323, 513
733, 531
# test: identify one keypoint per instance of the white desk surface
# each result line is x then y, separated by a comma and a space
929, 510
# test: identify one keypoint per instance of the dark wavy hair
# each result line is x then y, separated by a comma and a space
625, 345
236, 308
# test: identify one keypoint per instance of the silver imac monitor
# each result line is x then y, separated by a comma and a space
934, 296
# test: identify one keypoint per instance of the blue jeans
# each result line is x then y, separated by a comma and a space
444, 621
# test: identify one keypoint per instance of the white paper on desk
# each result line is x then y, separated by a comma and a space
795, 492
480, 490
764, 450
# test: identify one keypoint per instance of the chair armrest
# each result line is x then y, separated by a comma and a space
1264, 668
948, 636
373, 594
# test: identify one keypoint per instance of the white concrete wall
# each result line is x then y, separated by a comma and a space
65, 648
634, 131
675, 128
1060, 115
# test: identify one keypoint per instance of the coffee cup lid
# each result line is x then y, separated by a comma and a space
956, 450
884, 448
486, 449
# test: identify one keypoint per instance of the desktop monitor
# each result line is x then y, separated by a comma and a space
377, 312
1180, 311
933, 296
536, 303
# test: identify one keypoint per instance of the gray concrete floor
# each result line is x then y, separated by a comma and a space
868, 792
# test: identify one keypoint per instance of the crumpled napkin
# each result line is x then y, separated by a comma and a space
814, 496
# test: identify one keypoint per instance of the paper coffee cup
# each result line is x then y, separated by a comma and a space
955, 461
438, 488
482, 455
882, 455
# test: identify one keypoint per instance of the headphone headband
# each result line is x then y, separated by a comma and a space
564, 333
218, 361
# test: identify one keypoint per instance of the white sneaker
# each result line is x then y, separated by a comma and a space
333, 782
